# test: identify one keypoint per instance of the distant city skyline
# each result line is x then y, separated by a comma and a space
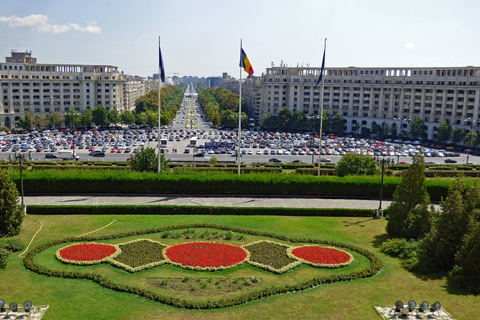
202, 38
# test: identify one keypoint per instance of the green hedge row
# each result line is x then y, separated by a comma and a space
196, 210
215, 182
374, 268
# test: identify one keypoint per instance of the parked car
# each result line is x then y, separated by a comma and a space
97, 154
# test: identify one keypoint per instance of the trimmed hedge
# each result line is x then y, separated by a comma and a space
196, 210
216, 182
373, 269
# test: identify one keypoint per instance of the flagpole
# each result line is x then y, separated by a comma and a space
159, 108
239, 114
321, 109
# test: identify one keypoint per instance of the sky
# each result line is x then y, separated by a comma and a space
202, 37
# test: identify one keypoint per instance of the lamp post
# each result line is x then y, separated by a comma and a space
383, 161
471, 137
21, 159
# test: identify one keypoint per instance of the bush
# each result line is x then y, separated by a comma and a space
355, 164
3, 258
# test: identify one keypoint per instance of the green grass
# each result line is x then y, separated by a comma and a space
83, 299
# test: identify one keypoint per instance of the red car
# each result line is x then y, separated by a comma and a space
119, 150
91, 149
113, 150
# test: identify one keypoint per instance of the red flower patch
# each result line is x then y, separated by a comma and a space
87, 252
206, 255
322, 256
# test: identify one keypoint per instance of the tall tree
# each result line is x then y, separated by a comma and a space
337, 124
455, 221
27, 121
86, 118
285, 116
410, 213
444, 132
457, 135
55, 119
466, 272
72, 118
127, 117
114, 116
11, 213
100, 116
418, 129
471, 139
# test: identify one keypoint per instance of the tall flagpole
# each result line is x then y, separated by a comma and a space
321, 108
239, 154
159, 105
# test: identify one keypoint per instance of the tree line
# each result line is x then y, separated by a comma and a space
221, 107
145, 113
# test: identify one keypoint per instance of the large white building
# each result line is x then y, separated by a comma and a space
42, 89
368, 97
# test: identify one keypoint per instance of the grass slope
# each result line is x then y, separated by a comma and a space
82, 299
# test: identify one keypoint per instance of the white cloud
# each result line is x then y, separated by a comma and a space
410, 45
40, 23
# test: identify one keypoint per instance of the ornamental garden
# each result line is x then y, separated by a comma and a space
207, 266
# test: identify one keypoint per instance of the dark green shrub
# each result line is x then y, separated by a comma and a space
3, 258
11, 213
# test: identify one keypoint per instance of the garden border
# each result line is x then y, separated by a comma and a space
374, 268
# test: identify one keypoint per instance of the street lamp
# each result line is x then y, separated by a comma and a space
383, 161
22, 158
471, 137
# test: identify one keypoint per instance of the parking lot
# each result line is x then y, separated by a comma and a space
190, 137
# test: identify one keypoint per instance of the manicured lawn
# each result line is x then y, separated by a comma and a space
82, 299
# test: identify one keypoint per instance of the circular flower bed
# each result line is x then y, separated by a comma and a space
322, 256
205, 255
86, 253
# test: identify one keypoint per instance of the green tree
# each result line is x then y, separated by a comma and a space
86, 118
444, 132
455, 221
337, 124
297, 121
55, 119
466, 272
457, 135
26, 122
40, 121
285, 116
114, 116
147, 160
418, 129
270, 122
355, 164
72, 118
410, 214
127, 117
11, 213
228, 119
100, 116
471, 139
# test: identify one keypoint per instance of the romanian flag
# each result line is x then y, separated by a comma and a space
245, 63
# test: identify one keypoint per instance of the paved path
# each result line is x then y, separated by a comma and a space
192, 200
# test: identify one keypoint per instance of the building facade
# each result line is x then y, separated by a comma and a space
42, 89
370, 97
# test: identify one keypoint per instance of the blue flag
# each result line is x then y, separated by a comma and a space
162, 71
323, 68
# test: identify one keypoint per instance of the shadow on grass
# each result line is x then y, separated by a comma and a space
379, 239
459, 292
